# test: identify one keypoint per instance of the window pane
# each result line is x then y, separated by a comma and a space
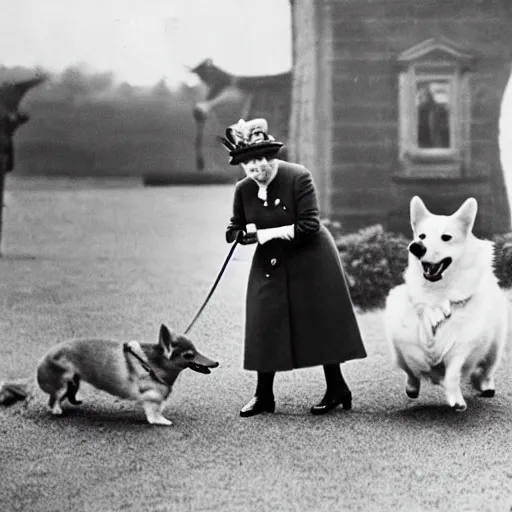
432, 103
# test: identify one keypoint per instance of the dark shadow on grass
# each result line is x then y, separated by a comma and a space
90, 417
99, 416
478, 409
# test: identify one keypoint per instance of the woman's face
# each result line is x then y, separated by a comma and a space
258, 169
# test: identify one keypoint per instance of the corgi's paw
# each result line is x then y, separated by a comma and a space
56, 410
412, 392
446, 308
160, 421
154, 416
459, 407
456, 400
433, 316
458, 404
412, 387
487, 387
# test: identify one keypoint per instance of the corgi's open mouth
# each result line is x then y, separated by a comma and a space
203, 368
199, 368
434, 271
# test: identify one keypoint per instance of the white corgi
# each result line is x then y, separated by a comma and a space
450, 318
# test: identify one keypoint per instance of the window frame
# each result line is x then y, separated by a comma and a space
434, 60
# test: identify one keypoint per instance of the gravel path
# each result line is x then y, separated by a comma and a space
119, 260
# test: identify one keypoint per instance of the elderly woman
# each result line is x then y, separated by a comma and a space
298, 310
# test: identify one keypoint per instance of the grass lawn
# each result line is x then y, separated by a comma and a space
116, 259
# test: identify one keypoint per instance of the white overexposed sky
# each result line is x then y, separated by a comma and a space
142, 41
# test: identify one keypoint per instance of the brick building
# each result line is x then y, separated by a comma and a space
392, 98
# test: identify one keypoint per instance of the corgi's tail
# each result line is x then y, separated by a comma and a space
15, 390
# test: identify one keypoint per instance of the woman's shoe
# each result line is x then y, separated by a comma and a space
328, 404
257, 405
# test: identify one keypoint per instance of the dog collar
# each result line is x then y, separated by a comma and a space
144, 364
461, 302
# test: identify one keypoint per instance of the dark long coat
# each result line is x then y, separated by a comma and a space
298, 309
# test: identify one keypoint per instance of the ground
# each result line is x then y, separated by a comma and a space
116, 259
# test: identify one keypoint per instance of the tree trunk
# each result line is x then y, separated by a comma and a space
302, 116
310, 132
2, 186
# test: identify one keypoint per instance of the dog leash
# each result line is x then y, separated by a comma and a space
210, 293
143, 363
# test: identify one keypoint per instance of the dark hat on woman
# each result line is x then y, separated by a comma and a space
249, 139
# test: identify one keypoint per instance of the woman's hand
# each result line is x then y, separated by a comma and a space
244, 238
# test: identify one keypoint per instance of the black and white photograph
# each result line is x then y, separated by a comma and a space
256, 255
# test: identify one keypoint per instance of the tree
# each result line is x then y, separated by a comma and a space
310, 122
12, 91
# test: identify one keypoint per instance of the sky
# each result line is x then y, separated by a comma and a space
142, 41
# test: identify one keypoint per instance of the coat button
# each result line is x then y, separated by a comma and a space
273, 262
267, 275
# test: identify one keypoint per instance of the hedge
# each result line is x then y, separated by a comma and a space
375, 260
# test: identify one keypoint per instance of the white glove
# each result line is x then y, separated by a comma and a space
283, 232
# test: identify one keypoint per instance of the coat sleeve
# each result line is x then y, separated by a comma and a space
237, 221
308, 212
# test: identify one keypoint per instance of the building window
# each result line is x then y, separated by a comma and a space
434, 109
433, 113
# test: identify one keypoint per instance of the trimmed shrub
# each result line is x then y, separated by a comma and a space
503, 259
374, 261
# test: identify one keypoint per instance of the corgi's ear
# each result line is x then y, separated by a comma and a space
165, 339
418, 211
466, 214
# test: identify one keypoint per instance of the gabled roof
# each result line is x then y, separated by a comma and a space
436, 48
